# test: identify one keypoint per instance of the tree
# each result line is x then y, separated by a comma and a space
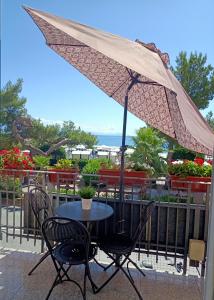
12, 106
45, 139
210, 119
17, 128
76, 135
196, 76
148, 145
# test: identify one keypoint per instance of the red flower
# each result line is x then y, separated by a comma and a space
15, 159
199, 161
16, 150
3, 152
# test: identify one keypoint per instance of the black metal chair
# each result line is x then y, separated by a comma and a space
40, 204
119, 248
73, 248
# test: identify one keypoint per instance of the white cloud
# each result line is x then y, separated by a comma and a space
50, 122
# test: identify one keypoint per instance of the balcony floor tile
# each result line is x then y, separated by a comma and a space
15, 284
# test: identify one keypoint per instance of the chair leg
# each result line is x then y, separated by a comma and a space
104, 268
93, 285
120, 267
107, 281
39, 262
132, 282
53, 285
111, 264
96, 261
84, 284
136, 266
65, 274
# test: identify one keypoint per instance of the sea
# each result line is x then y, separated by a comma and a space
113, 140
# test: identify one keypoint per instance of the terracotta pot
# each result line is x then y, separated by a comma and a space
14, 173
198, 186
130, 177
57, 176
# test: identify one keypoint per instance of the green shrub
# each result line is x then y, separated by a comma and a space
64, 164
147, 146
172, 199
10, 184
80, 163
63, 191
190, 168
87, 192
41, 162
182, 153
92, 167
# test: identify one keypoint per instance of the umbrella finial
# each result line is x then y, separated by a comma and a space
151, 46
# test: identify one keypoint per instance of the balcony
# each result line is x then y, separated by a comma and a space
162, 252
16, 284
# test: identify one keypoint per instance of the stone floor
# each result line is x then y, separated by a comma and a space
16, 284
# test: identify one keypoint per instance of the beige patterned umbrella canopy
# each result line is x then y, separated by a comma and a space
112, 63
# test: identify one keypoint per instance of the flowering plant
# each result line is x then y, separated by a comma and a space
64, 164
199, 168
15, 159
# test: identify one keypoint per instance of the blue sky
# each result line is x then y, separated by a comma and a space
55, 91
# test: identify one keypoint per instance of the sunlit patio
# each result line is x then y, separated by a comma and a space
162, 253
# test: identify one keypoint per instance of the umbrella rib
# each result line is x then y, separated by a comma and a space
135, 78
119, 87
137, 81
149, 82
71, 45
131, 77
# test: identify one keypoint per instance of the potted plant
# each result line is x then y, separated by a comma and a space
194, 173
63, 166
86, 193
92, 168
41, 162
14, 159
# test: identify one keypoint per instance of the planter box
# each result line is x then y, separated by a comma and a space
18, 173
58, 176
131, 178
178, 182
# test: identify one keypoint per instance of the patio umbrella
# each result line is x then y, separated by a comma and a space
132, 73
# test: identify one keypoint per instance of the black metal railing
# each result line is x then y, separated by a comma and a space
179, 215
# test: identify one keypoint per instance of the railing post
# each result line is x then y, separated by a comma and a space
187, 231
0, 214
209, 286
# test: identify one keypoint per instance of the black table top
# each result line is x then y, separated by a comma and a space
73, 210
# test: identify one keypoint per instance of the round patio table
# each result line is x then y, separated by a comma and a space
73, 210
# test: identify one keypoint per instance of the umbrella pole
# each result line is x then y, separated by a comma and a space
123, 149
209, 279
122, 161
122, 165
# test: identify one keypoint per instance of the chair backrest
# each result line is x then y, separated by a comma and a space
41, 205
144, 217
58, 230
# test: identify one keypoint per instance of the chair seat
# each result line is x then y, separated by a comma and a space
116, 244
74, 254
